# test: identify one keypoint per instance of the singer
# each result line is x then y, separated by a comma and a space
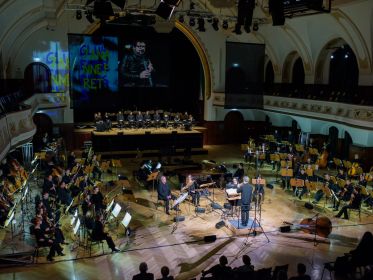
136, 67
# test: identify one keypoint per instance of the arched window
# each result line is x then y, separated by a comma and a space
37, 78
298, 72
269, 74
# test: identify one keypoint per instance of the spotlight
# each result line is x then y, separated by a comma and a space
192, 21
237, 29
215, 24
181, 19
225, 24
78, 15
255, 26
89, 16
201, 25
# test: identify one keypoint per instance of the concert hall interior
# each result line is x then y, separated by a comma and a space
186, 139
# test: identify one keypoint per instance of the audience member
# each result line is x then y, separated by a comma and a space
301, 269
143, 275
247, 266
165, 271
219, 271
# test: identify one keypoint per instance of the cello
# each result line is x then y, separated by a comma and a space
322, 161
321, 226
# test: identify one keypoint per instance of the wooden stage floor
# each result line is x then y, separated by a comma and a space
184, 251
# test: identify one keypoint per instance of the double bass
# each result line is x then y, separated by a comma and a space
321, 226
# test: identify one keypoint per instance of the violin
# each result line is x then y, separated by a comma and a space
321, 226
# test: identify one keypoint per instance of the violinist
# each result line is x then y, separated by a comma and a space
362, 180
49, 227
96, 168
88, 210
353, 204
63, 194
66, 178
48, 185
44, 241
341, 174
46, 205
99, 234
344, 194
97, 199
147, 119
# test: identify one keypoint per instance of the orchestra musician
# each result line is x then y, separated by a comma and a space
164, 193
71, 160
327, 183
259, 190
302, 176
341, 174
139, 119
240, 172
277, 136
344, 194
233, 198
147, 119
277, 163
131, 120
120, 119
362, 180
66, 178
353, 204
63, 194
96, 168
44, 241
98, 233
166, 119
88, 210
97, 199
191, 185
246, 191
49, 186
157, 119
107, 120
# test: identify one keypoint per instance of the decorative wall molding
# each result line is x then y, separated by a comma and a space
352, 115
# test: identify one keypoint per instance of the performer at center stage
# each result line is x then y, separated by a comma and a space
191, 186
246, 191
164, 193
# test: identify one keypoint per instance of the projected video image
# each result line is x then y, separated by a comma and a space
144, 64
93, 65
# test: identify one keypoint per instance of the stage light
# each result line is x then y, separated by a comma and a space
89, 16
215, 24
181, 18
255, 26
225, 24
192, 21
78, 15
201, 25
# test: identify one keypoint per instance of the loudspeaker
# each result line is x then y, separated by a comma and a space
179, 219
200, 210
147, 132
269, 186
174, 132
215, 205
210, 238
220, 224
120, 132
285, 229
308, 205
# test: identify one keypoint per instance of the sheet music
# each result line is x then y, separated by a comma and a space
231, 192
126, 220
116, 210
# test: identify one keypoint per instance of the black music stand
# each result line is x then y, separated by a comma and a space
175, 207
152, 177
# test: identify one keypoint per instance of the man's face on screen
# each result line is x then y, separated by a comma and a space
140, 48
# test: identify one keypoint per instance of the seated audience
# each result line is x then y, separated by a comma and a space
165, 271
301, 269
219, 271
143, 275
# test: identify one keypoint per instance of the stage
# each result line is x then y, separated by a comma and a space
161, 139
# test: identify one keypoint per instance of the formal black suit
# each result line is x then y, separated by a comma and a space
143, 276
164, 192
246, 191
99, 234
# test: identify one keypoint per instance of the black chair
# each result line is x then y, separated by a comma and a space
264, 274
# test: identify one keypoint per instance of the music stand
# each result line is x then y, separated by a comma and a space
125, 222
152, 177
175, 207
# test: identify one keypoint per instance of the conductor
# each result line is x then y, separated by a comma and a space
164, 193
246, 191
